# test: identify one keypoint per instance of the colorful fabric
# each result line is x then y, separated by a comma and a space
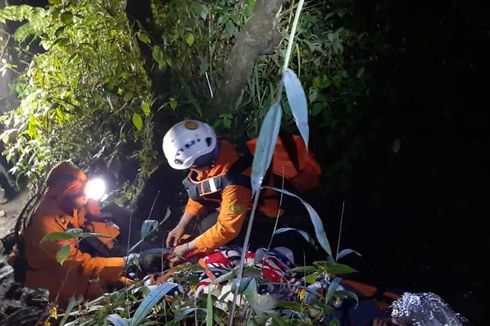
275, 265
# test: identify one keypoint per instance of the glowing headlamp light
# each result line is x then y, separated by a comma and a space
95, 189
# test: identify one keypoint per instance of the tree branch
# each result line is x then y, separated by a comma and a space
259, 37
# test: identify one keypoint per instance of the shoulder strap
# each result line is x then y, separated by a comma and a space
234, 177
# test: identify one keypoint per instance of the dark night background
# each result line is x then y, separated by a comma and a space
418, 215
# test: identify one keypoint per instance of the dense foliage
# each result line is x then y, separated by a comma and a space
92, 66
86, 96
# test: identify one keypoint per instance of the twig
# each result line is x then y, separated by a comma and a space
209, 86
291, 35
153, 205
242, 259
127, 253
340, 229
277, 219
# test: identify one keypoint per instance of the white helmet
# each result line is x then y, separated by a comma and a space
187, 141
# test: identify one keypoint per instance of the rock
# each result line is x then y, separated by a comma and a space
3, 213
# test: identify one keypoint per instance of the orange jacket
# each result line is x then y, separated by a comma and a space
233, 201
81, 274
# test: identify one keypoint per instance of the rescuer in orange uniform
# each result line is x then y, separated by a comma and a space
219, 181
65, 206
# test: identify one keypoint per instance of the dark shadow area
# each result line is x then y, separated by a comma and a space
417, 214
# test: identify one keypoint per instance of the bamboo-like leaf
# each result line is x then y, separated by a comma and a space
305, 269
320, 233
72, 304
63, 253
250, 293
332, 288
117, 320
346, 252
339, 269
297, 101
209, 308
184, 313
147, 227
245, 282
348, 294
303, 233
265, 145
151, 300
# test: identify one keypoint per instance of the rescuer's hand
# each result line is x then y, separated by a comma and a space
175, 235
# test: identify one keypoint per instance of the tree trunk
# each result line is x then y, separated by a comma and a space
259, 37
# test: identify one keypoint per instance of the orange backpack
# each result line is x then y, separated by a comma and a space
292, 159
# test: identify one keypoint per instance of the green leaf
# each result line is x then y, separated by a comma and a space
305, 269
310, 279
117, 320
252, 296
321, 82
320, 233
58, 236
145, 107
346, 252
303, 233
209, 307
339, 269
266, 143
297, 101
348, 294
137, 121
189, 39
148, 227
54, 2
143, 37
332, 288
185, 313
67, 18
296, 306
173, 103
159, 57
230, 28
151, 300
63, 253
245, 282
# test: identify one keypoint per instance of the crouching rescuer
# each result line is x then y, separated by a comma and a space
219, 186
64, 206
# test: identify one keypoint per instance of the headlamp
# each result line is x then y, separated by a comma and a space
95, 189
